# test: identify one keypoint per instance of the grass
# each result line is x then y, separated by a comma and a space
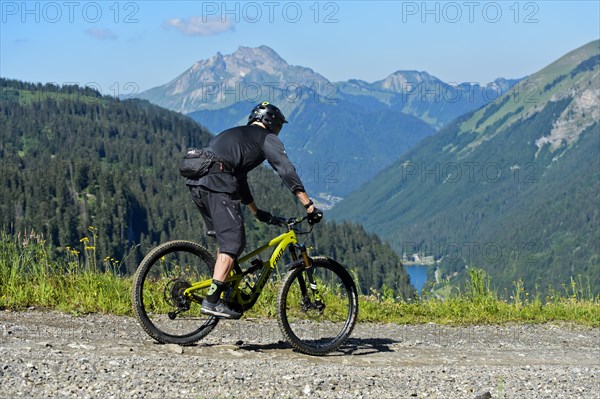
478, 304
32, 274
27, 97
29, 276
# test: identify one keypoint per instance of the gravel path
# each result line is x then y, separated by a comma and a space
57, 355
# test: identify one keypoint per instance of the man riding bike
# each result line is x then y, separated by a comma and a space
218, 195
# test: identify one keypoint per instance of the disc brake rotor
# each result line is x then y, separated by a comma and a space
174, 294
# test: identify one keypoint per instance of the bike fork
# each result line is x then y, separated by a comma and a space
306, 302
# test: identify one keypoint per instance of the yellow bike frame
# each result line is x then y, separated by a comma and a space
280, 243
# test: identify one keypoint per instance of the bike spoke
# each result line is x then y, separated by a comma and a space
165, 311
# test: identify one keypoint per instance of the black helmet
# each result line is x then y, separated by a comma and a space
269, 115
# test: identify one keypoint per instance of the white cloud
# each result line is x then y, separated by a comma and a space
199, 26
101, 34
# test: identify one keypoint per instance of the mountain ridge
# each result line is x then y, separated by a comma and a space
215, 82
194, 89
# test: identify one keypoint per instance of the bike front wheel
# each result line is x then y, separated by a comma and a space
159, 303
317, 307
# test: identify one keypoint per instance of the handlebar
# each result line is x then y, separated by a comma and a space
294, 221
289, 223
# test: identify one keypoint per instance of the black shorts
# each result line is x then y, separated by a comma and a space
222, 213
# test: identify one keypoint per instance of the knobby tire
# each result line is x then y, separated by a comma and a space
308, 329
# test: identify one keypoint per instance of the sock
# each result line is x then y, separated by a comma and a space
215, 290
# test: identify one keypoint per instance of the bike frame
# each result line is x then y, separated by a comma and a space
280, 243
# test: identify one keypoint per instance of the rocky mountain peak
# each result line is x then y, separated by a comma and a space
221, 80
257, 56
402, 81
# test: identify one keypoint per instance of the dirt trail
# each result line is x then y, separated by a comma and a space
51, 354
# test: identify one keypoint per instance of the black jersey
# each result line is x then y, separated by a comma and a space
243, 148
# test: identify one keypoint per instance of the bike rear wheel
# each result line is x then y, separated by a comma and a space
317, 320
157, 295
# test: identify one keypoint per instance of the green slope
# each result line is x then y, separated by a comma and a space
512, 187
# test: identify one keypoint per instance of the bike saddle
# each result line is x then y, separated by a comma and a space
211, 233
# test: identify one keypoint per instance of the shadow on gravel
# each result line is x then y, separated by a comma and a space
367, 346
265, 347
354, 347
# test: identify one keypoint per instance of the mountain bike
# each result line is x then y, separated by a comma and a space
317, 300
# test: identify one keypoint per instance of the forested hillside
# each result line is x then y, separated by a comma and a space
75, 164
511, 187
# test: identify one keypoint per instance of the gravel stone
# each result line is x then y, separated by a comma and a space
58, 355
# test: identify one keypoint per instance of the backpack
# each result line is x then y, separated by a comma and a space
197, 163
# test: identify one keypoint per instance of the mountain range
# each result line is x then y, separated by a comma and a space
512, 187
340, 133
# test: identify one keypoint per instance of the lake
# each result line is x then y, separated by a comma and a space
418, 275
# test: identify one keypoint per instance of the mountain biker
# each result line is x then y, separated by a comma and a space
219, 194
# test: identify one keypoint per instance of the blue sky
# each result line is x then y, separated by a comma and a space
125, 46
